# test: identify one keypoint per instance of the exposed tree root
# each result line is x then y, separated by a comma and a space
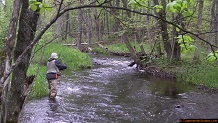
155, 71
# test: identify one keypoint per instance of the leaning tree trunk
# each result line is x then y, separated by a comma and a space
27, 28
130, 48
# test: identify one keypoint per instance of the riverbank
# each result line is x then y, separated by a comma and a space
74, 59
202, 74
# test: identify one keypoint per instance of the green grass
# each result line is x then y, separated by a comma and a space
74, 59
40, 86
100, 50
200, 74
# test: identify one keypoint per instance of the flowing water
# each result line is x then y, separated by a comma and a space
111, 92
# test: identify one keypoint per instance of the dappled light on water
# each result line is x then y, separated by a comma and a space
112, 92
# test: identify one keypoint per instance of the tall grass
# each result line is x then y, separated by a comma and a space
73, 58
202, 73
40, 86
100, 50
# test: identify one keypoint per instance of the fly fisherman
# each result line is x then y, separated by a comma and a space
54, 67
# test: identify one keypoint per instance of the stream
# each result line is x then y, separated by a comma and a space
112, 92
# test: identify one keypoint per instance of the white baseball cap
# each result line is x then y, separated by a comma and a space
54, 55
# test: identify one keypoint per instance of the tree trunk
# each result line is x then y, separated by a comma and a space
163, 27
147, 21
138, 39
7, 57
176, 54
89, 27
212, 22
27, 28
79, 38
158, 46
125, 5
67, 16
97, 25
216, 24
130, 48
149, 35
59, 24
117, 22
107, 23
199, 23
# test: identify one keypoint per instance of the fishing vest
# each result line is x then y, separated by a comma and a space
52, 68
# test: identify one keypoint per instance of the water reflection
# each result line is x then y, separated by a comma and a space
169, 88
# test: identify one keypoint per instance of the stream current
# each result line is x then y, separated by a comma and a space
112, 92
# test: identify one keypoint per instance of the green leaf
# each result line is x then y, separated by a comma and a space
38, 3
187, 39
210, 54
132, 1
184, 50
186, 13
192, 48
184, 5
33, 7
48, 9
32, 1
42, 10
170, 7
211, 58
158, 8
177, 29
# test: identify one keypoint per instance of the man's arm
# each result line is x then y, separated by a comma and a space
60, 65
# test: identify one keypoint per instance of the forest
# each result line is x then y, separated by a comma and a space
177, 30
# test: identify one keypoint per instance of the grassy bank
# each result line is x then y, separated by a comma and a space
73, 58
201, 73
